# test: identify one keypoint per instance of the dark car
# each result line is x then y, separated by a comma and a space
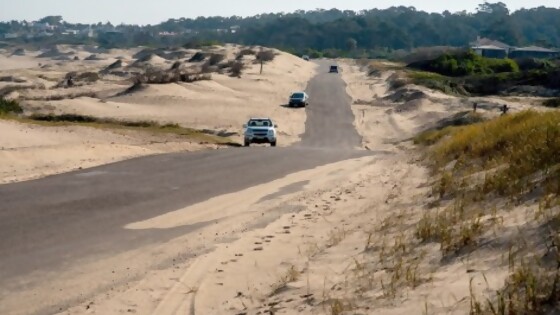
299, 99
333, 69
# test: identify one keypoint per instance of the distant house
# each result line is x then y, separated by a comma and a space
44, 34
168, 34
533, 52
11, 35
88, 31
44, 27
234, 29
70, 32
490, 48
490, 51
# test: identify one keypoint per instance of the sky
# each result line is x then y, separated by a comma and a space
155, 11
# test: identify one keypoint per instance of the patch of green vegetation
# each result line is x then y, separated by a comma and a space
437, 82
109, 123
9, 107
467, 73
488, 84
466, 63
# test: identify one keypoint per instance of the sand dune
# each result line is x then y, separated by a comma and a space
220, 104
331, 245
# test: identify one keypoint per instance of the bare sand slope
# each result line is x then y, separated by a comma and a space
33, 151
220, 105
389, 115
384, 116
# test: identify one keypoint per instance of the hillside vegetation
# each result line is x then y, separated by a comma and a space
467, 73
466, 63
487, 172
366, 33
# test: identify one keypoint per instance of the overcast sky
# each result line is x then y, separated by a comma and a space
155, 11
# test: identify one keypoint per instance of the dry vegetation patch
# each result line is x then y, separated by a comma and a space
485, 171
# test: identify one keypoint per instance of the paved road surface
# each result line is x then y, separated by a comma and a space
51, 221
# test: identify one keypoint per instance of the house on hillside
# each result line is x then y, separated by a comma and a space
533, 52
490, 51
11, 36
88, 31
490, 48
70, 32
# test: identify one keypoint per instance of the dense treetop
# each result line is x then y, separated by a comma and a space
335, 30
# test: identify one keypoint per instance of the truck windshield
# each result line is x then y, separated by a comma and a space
260, 123
297, 95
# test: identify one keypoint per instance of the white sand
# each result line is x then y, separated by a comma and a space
322, 248
33, 151
221, 104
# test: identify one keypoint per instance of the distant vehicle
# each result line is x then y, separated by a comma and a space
333, 69
299, 99
305, 57
260, 130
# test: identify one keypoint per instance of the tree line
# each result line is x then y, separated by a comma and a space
369, 32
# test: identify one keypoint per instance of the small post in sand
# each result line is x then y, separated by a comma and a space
505, 109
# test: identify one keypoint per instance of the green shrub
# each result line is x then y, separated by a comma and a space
466, 63
245, 52
197, 57
438, 82
313, 54
553, 102
236, 68
265, 55
526, 64
9, 106
216, 59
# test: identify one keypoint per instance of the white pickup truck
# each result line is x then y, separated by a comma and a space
260, 130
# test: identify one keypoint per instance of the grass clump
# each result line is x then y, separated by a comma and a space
529, 290
446, 127
236, 68
455, 228
516, 151
9, 107
265, 55
245, 52
170, 76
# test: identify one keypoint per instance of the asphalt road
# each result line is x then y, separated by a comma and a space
46, 223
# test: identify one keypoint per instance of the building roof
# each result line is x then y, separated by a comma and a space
489, 42
488, 47
536, 49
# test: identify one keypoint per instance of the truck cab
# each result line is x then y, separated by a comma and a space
260, 130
